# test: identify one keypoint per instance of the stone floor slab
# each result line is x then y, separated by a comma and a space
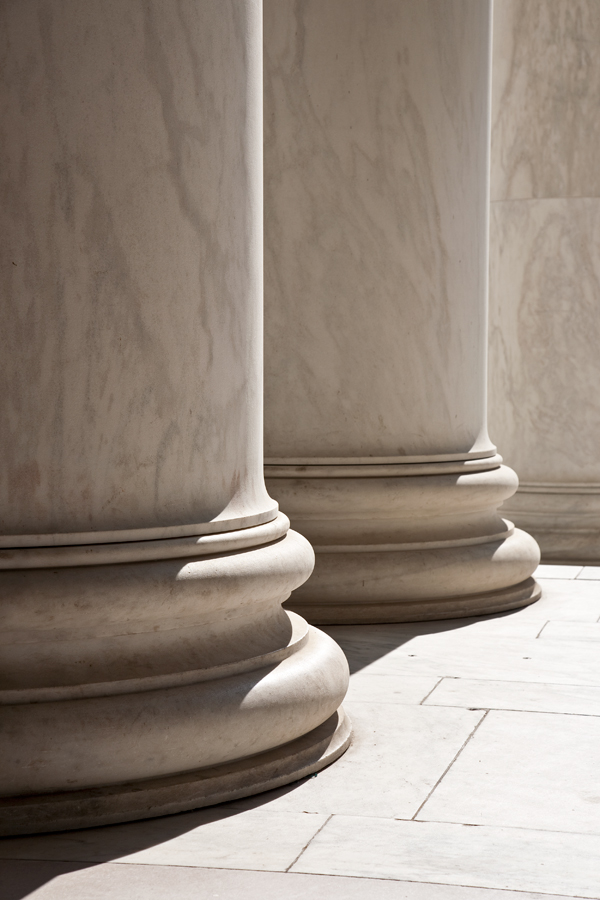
396, 757
470, 655
120, 881
527, 770
472, 693
573, 600
552, 571
513, 859
256, 839
570, 631
401, 689
590, 572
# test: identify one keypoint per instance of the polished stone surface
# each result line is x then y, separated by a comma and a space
544, 272
510, 809
376, 216
131, 173
146, 663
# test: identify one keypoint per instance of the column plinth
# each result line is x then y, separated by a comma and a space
376, 217
146, 663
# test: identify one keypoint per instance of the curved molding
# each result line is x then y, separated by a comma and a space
64, 539
427, 458
381, 470
161, 669
192, 790
396, 548
139, 551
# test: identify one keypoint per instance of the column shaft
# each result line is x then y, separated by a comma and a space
377, 160
147, 664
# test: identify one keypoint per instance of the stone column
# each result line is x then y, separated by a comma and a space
376, 196
147, 664
545, 268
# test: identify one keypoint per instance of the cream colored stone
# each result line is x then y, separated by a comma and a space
544, 272
376, 206
516, 695
532, 770
147, 665
508, 858
546, 91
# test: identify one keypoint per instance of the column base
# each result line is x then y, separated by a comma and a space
407, 542
134, 683
193, 790
383, 612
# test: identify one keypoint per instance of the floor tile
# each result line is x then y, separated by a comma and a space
397, 755
254, 839
498, 657
590, 572
389, 688
110, 881
504, 858
551, 571
574, 600
570, 631
527, 770
472, 693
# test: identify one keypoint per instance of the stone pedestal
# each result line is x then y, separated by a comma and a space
147, 665
545, 268
376, 220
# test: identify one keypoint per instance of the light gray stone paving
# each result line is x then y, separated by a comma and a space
505, 803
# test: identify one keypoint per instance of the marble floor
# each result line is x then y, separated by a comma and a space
474, 775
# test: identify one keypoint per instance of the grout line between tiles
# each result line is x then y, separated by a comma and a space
309, 842
534, 712
477, 887
541, 629
449, 766
437, 684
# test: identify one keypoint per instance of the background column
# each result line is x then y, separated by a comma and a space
147, 665
376, 222
545, 268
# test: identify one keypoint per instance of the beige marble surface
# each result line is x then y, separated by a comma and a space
508, 739
544, 272
375, 228
130, 269
376, 217
143, 670
544, 337
546, 91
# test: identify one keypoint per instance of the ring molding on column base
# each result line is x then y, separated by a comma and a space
193, 790
131, 672
395, 546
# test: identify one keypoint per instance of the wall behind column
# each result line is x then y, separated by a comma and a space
545, 267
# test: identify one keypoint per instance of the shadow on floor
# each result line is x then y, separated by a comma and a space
19, 878
365, 644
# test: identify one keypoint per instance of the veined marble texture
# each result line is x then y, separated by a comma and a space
146, 663
376, 222
546, 94
375, 228
544, 268
130, 273
544, 337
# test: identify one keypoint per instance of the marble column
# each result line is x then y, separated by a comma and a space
376, 222
545, 268
147, 664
